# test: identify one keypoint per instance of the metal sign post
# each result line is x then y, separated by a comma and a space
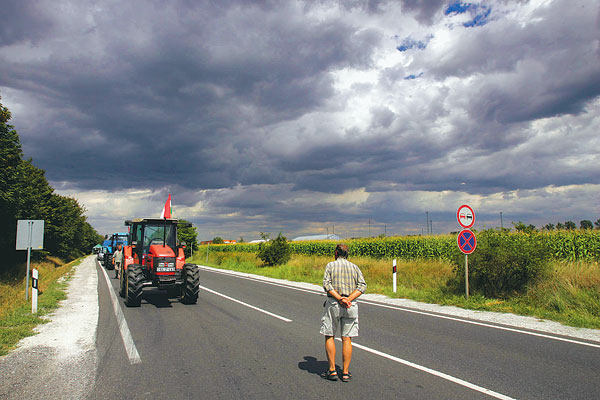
467, 275
30, 235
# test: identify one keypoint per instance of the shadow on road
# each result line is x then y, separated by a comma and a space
312, 366
158, 298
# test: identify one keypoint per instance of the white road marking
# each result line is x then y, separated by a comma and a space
246, 304
410, 310
483, 324
434, 372
132, 353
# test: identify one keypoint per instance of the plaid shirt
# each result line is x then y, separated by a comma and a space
344, 277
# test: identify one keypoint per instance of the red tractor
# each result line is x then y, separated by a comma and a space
153, 258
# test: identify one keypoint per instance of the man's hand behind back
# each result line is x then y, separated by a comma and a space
345, 302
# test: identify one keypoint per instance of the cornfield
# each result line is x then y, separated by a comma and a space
563, 245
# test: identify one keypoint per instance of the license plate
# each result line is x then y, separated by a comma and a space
165, 269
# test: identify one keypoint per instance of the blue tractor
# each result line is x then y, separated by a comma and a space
111, 245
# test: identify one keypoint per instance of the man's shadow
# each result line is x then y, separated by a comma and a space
312, 366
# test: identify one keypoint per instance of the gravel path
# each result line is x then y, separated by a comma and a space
60, 361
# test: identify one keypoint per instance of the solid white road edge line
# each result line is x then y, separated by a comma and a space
433, 372
246, 304
484, 324
410, 310
132, 353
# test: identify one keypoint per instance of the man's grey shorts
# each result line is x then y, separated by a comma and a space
335, 314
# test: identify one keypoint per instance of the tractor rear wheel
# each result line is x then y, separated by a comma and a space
191, 284
133, 285
108, 261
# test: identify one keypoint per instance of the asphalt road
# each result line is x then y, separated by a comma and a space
223, 349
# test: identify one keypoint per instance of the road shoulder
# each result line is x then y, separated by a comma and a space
59, 361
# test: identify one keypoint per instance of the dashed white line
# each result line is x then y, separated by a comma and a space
132, 353
410, 310
246, 304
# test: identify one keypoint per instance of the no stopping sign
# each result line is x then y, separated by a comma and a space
466, 241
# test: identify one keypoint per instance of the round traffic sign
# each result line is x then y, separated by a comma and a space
465, 216
466, 241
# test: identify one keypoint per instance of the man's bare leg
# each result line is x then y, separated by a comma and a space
330, 349
346, 353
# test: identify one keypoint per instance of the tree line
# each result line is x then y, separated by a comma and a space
567, 225
26, 194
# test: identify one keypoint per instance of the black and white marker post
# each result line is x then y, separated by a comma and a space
394, 274
34, 290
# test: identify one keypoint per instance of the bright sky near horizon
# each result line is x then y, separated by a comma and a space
298, 116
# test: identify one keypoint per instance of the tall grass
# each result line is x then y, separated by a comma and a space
567, 291
16, 319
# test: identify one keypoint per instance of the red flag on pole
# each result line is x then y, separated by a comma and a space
166, 212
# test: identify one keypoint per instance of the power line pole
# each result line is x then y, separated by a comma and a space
501, 222
431, 227
369, 228
427, 214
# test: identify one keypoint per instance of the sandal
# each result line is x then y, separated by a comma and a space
346, 377
330, 375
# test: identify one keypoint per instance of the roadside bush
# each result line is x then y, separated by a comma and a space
502, 264
275, 252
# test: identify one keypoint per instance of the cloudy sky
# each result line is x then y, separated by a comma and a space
302, 116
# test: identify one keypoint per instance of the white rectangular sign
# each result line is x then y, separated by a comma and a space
30, 229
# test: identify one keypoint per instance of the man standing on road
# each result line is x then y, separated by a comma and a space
343, 282
118, 260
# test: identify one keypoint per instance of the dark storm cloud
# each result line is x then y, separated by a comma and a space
179, 97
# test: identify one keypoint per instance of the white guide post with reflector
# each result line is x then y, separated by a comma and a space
34, 290
394, 274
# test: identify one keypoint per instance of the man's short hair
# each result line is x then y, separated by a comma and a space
341, 250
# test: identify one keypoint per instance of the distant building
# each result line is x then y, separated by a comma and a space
317, 237
225, 241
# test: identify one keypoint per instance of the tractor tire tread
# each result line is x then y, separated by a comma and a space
135, 278
191, 284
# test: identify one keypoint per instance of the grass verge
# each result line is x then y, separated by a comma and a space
568, 292
16, 319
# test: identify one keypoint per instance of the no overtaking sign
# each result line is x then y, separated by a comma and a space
465, 216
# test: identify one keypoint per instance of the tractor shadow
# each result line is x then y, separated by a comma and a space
159, 298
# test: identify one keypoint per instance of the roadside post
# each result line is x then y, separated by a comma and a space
466, 238
30, 235
394, 274
34, 290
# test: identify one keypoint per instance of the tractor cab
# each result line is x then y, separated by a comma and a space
154, 244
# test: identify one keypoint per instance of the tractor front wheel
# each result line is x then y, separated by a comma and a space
191, 284
133, 285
